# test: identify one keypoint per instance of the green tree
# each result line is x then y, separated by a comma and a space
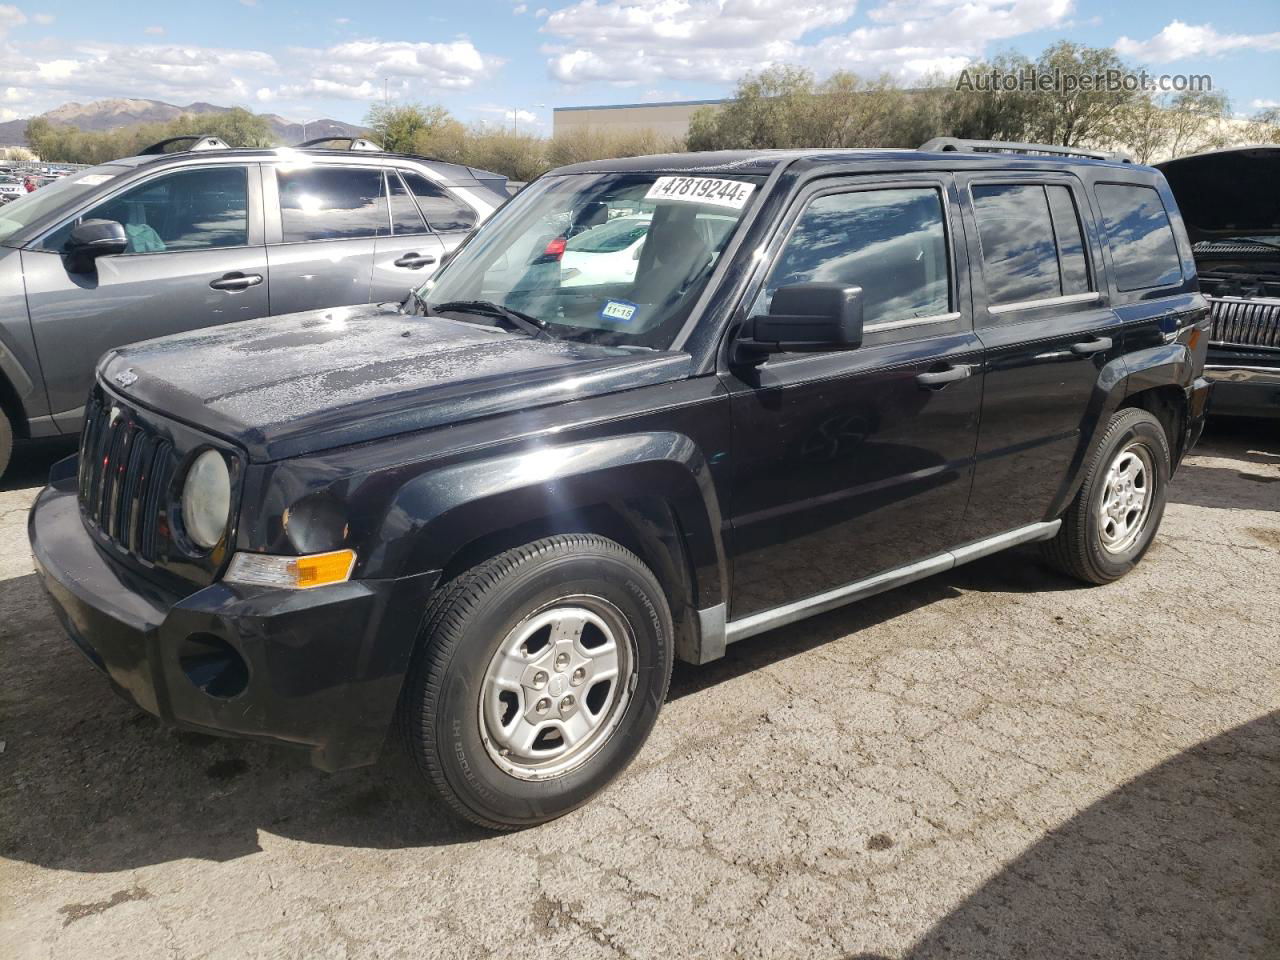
405, 127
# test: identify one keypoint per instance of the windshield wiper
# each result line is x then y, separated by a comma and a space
487, 308
1254, 240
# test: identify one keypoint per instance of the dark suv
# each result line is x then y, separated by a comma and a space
494, 516
190, 234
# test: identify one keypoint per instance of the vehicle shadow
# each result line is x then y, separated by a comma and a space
31, 460
90, 783
1181, 862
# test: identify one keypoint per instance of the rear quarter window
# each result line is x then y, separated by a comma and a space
1144, 253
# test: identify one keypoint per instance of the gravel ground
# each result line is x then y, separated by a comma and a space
991, 763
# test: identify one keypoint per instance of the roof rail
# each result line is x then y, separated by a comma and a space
960, 145
353, 143
199, 141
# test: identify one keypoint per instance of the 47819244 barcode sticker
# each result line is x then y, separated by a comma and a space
720, 193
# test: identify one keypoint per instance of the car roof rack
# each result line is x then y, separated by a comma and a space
353, 143
198, 141
960, 145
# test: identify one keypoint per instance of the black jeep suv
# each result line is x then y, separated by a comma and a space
493, 515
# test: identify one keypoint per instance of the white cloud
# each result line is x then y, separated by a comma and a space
170, 72
1179, 41
631, 41
1260, 104
154, 31
520, 8
10, 17
180, 73
44, 19
355, 70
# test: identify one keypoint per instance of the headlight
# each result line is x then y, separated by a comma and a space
206, 499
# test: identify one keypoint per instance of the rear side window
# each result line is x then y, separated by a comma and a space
442, 211
1019, 257
405, 218
892, 243
1143, 251
1066, 228
331, 203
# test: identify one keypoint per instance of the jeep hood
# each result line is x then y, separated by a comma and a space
311, 381
1227, 193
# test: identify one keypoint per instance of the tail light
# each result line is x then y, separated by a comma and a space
555, 247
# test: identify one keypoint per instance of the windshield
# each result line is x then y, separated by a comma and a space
28, 210
613, 259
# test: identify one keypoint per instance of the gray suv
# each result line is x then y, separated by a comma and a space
173, 240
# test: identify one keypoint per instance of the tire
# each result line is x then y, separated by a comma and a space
1098, 549
544, 603
6, 442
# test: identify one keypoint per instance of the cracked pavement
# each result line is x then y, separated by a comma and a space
994, 762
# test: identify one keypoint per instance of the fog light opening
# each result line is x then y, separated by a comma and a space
213, 666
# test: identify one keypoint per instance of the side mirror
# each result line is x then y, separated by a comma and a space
92, 239
806, 317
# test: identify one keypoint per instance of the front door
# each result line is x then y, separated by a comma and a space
195, 259
851, 463
1047, 329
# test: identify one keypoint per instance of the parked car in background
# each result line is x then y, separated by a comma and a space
11, 189
1230, 200
171, 241
607, 253
493, 517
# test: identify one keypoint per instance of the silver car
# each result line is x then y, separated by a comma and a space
170, 240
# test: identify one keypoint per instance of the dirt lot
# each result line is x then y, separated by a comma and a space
990, 763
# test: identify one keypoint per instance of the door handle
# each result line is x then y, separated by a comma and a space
1096, 345
937, 379
236, 281
414, 261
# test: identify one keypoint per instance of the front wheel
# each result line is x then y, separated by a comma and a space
1115, 515
540, 675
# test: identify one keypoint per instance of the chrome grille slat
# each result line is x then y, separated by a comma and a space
124, 470
1246, 323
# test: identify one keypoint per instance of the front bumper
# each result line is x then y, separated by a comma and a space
320, 669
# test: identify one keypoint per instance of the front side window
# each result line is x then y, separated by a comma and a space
1143, 250
1019, 257
444, 212
184, 210
30, 208
331, 203
615, 259
892, 243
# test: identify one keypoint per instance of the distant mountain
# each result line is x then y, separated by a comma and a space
104, 115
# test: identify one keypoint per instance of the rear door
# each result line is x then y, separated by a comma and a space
410, 253
853, 462
196, 258
449, 218
1047, 330
324, 221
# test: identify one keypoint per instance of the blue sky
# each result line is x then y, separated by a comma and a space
484, 59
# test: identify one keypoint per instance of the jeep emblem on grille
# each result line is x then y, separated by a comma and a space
126, 378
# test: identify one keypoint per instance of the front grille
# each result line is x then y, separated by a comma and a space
124, 473
1247, 323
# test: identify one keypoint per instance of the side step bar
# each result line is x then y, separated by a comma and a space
757, 623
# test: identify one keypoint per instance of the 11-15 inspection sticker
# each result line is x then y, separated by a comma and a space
720, 193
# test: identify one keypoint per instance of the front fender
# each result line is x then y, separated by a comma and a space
434, 516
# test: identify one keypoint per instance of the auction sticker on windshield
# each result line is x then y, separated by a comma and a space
721, 193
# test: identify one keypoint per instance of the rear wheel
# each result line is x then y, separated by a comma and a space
540, 674
1115, 515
